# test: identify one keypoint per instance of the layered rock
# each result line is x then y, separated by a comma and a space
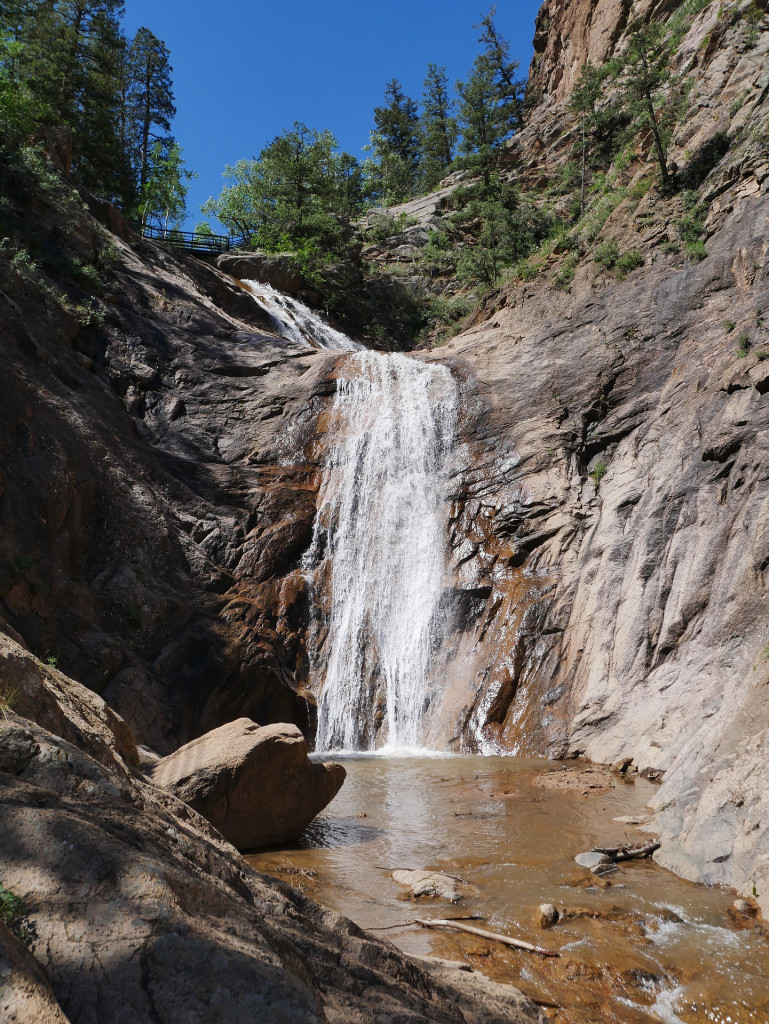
255, 785
137, 911
155, 497
610, 529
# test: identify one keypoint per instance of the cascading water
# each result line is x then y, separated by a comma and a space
297, 322
379, 550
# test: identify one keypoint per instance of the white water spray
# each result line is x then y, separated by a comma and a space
379, 550
297, 322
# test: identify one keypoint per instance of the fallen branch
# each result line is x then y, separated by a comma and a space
494, 936
619, 853
408, 924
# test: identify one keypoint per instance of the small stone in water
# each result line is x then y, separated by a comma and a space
429, 883
595, 862
548, 915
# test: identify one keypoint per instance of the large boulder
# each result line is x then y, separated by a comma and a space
255, 784
276, 269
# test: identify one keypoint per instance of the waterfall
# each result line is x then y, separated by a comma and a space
297, 322
378, 557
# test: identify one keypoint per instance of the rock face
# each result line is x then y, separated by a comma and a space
156, 499
276, 270
612, 525
255, 785
137, 911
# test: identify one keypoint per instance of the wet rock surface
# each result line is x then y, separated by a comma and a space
255, 785
138, 911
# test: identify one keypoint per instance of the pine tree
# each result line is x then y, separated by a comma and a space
150, 97
481, 121
510, 88
438, 127
645, 73
396, 142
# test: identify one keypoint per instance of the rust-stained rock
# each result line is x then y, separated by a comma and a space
255, 785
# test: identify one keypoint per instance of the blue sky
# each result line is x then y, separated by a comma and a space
245, 71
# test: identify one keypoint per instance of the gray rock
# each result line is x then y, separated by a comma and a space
17, 747
255, 784
429, 883
140, 911
598, 863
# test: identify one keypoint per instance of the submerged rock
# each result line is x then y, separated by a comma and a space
598, 863
429, 883
255, 784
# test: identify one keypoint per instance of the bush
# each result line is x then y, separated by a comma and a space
13, 913
696, 251
607, 253
628, 261
597, 473
565, 273
743, 346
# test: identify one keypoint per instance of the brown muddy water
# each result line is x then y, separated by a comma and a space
642, 945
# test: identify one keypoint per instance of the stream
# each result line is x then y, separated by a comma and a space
656, 948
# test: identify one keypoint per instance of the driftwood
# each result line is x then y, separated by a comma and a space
494, 936
407, 924
620, 853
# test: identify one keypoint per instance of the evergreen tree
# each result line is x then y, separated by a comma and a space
438, 127
644, 74
481, 120
396, 143
291, 197
510, 89
150, 99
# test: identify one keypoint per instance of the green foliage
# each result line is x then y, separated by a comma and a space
13, 914
729, 326
607, 253
743, 345
628, 261
147, 102
90, 314
504, 229
397, 143
597, 474
163, 200
565, 273
695, 251
67, 63
300, 188
439, 129
509, 87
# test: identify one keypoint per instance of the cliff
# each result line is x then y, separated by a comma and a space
616, 504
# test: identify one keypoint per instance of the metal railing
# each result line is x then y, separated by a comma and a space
191, 241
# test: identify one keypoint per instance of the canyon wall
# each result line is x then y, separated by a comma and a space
616, 507
161, 471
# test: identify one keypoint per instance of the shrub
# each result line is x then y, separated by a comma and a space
597, 473
607, 253
565, 273
696, 251
8, 695
743, 345
729, 326
628, 261
13, 913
